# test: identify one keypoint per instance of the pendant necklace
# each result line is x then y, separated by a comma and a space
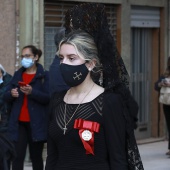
65, 111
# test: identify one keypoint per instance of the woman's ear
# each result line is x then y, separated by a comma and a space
36, 57
91, 64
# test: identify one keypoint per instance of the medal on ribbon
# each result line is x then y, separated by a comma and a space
86, 133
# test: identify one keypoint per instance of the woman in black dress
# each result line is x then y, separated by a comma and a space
113, 76
87, 125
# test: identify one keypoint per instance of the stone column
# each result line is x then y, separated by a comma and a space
32, 24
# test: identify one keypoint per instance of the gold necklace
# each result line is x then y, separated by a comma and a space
65, 110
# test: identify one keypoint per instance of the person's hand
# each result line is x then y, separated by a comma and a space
14, 92
164, 83
26, 89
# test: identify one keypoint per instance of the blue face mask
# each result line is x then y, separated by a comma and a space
1, 81
27, 62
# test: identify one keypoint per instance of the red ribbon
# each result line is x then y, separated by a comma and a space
92, 127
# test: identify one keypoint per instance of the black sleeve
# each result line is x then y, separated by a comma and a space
114, 128
51, 154
41, 95
133, 108
12, 84
130, 103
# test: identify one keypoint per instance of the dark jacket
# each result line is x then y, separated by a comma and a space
56, 81
130, 103
37, 104
4, 106
7, 152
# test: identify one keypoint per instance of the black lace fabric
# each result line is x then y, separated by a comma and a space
133, 157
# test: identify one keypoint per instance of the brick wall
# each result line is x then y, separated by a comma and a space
7, 35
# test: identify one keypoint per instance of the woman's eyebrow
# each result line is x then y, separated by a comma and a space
72, 55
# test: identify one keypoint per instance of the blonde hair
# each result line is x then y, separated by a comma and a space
84, 45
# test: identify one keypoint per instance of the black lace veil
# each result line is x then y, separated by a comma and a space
92, 18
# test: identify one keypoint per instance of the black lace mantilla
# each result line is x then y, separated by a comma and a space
92, 18
133, 157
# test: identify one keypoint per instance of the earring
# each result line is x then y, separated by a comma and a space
71, 24
89, 69
101, 78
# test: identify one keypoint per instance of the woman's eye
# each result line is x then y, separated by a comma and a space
71, 58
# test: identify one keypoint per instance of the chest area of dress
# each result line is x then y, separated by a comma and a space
63, 124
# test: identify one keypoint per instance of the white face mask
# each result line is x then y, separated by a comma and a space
27, 62
1, 80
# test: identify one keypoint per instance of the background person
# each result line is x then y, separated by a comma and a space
28, 118
56, 82
166, 108
6, 148
4, 106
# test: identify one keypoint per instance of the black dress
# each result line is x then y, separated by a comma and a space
66, 152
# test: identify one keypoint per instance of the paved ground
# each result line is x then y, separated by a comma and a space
153, 156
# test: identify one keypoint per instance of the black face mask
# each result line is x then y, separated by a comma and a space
73, 75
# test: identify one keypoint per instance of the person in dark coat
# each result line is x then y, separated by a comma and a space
4, 106
7, 152
28, 92
56, 82
6, 147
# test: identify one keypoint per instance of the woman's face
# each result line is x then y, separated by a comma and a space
68, 55
26, 53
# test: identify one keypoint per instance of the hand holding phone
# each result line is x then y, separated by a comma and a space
164, 81
25, 88
21, 83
